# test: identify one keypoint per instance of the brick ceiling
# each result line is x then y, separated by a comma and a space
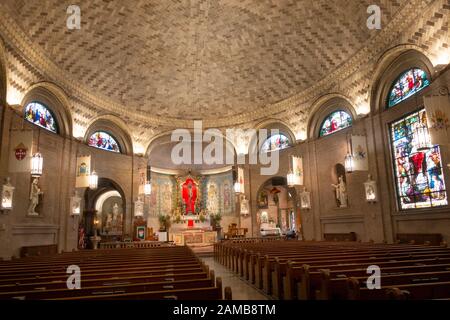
199, 59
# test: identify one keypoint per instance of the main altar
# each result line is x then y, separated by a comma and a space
190, 218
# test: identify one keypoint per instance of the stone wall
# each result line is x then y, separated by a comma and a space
371, 221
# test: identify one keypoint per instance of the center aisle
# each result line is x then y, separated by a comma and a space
241, 290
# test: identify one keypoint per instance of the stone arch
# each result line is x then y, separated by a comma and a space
114, 126
323, 107
390, 66
57, 102
164, 138
269, 124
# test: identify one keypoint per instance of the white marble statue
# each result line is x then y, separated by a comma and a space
34, 198
341, 192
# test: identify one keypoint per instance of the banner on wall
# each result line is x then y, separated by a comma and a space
142, 180
20, 151
438, 115
241, 179
360, 155
83, 171
297, 165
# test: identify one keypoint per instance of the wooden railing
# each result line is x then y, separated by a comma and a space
135, 244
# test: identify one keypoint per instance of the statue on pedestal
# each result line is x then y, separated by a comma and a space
341, 192
35, 192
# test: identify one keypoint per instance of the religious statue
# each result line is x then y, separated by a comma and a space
189, 195
245, 206
35, 192
108, 224
341, 192
116, 218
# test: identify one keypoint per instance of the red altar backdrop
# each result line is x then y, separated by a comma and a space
189, 194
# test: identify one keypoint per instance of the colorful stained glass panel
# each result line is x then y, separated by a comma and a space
419, 174
275, 142
105, 141
41, 116
336, 121
409, 83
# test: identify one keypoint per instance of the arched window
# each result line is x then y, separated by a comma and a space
406, 85
336, 121
275, 142
104, 141
418, 170
40, 115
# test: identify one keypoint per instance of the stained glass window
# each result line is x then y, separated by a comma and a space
336, 121
275, 142
105, 141
419, 174
41, 116
409, 83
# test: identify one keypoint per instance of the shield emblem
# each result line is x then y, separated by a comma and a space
20, 152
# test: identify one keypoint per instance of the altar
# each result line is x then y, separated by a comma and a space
194, 237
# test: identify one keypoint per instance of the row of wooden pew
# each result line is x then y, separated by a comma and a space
305, 270
115, 274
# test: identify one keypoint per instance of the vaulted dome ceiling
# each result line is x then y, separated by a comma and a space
199, 59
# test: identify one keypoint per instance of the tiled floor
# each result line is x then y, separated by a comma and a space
241, 290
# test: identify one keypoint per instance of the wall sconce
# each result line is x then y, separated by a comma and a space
138, 208
148, 188
75, 205
305, 200
93, 180
7, 195
37, 163
370, 187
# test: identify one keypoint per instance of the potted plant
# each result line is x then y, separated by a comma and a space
215, 221
164, 225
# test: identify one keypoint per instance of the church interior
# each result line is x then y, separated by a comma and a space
224, 150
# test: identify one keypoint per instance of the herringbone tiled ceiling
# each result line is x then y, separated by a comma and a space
199, 58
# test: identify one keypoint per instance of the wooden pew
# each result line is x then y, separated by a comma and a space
418, 291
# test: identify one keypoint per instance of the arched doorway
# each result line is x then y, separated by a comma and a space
104, 214
277, 207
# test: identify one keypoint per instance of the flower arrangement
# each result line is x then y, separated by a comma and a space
164, 222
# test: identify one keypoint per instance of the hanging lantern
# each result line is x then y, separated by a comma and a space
139, 208
148, 188
290, 179
75, 205
36, 165
348, 162
423, 138
7, 194
370, 188
93, 180
237, 187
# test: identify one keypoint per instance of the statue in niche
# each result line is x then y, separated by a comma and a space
35, 192
113, 222
341, 192
245, 206
108, 224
